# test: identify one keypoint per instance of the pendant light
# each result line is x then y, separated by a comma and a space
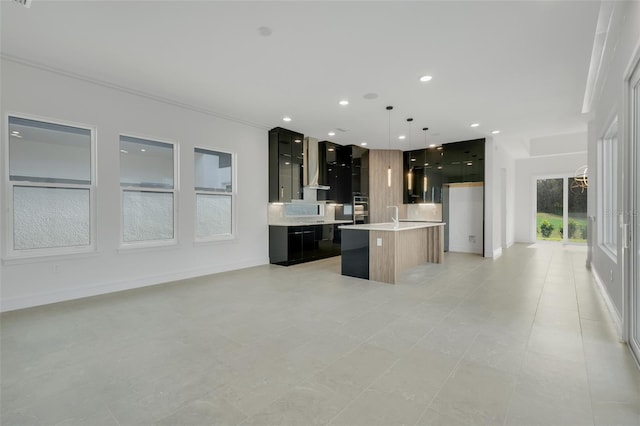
410, 174
424, 178
389, 108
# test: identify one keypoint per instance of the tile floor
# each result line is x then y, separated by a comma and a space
522, 340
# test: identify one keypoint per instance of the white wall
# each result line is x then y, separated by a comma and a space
44, 94
566, 143
465, 218
621, 50
499, 224
526, 172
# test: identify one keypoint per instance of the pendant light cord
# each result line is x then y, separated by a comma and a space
389, 108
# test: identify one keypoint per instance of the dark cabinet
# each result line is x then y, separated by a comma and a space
359, 170
427, 170
289, 245
345, 169
301, 243
285, 165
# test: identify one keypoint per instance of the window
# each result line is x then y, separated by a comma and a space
147, 170
51, 187
214, 194
608, 188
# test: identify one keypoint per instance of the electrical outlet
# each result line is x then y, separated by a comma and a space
472, 239
379, 242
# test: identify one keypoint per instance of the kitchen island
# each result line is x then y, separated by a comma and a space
380, 251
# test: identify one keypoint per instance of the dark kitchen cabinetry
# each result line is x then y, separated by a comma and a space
344, 169
450, 163
289, 245
359, 170
285, 165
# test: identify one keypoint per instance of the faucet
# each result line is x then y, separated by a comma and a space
394, 218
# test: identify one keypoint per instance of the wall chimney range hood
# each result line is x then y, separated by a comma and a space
311, 165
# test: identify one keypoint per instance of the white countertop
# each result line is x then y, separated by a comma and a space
319, 222
390, 226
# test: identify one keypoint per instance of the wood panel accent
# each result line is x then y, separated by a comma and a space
380, 194
464, 184
382, 259
401, 250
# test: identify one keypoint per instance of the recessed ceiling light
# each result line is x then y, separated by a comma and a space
413, 159
469, 163
330, 149
265, 31
402, 137
297, 140
287, 163
425, 78
475, 124
426, 164
433, 145
143, 150
439, 167
440, 147
287, 119
344, 102
124, 151
363, 144
495, 132
332, 133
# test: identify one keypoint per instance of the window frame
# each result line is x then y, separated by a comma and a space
133, 245
607, 200
232, 194
9, 250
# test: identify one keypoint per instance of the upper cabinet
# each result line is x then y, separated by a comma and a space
285, 165
344, 169
427, 170
359, 170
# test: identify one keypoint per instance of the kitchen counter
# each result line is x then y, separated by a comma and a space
380, 251
306, 223
390, 226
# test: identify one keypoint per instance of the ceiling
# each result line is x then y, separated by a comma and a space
515, 66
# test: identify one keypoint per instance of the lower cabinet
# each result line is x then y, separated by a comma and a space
289, 245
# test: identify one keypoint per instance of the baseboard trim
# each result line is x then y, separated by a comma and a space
121, 285
613, 312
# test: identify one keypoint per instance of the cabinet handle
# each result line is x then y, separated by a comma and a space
282, 192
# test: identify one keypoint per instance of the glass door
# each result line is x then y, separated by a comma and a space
561, 209
577, 210
549, 209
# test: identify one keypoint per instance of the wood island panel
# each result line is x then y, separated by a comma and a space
382, 258
403, 250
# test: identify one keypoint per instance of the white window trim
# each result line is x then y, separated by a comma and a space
232, 194
611, 250
9, 252
136, 245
